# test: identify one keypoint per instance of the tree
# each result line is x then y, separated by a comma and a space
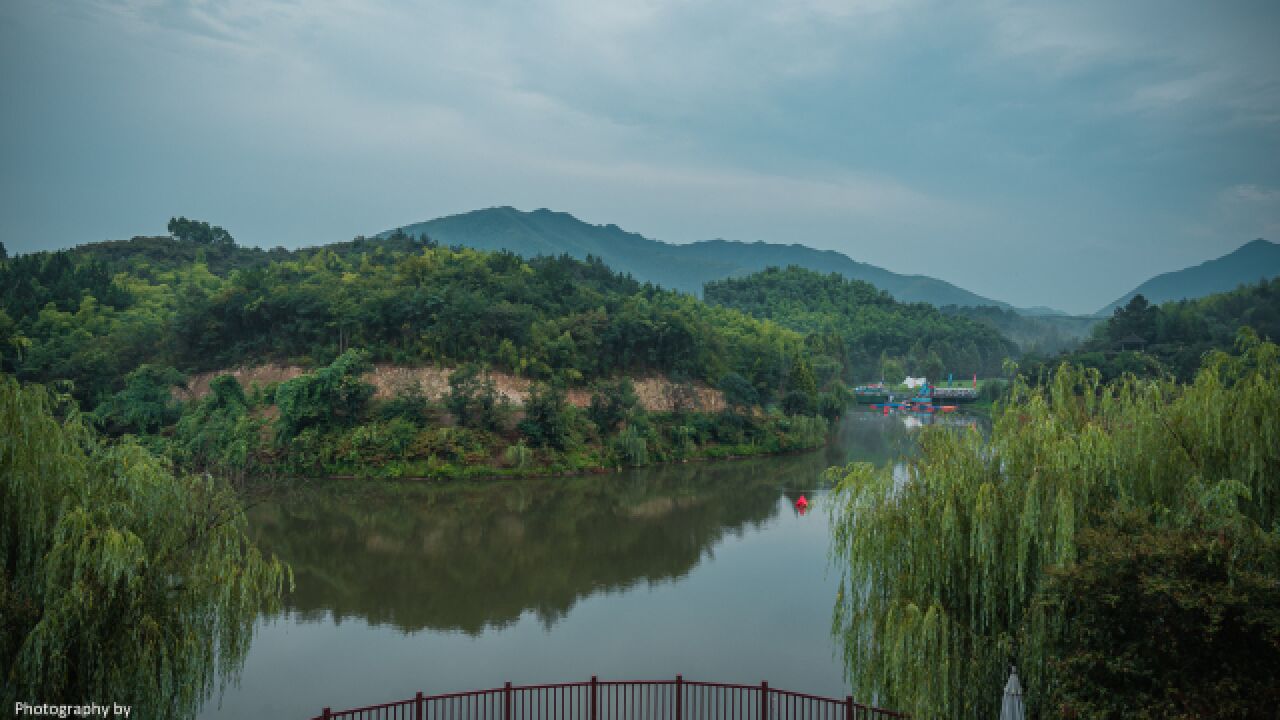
795, 402
891, 371
1166, 622
548, 418
409, 403
217, 434
200, 233
117, 579
473, 398
942, 566
933, 368
738, 391
832, 402
1138, 317
331, 396
612, 403
801, 380
146, 403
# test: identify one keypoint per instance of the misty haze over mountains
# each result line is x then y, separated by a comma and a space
1251, 262
686, 267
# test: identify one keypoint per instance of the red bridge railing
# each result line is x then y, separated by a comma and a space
677, 699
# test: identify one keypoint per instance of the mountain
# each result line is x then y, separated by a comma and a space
1251, 262
677, 267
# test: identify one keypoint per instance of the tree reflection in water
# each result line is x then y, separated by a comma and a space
469, 556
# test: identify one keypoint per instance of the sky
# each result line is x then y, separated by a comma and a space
1047, 153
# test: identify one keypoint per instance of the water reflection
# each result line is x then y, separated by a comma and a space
703, 569
465, 557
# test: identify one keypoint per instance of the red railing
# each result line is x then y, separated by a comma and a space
677, 699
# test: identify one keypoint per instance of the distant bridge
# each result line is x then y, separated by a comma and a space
677, 699
957, 394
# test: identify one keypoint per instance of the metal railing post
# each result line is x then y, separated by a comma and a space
679, 696
506, 700
764, 700
417, 706
848, 707
595, 703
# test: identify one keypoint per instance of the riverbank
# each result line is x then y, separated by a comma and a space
397, 451
335, 422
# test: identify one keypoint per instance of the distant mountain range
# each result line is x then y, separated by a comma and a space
677, 267
1247, 264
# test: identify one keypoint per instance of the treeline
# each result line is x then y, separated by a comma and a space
328, 423
860, 333
1172, 338
121, 341
67, 318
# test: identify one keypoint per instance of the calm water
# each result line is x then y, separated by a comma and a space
702, 569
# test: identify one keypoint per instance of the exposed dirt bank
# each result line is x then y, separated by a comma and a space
657, 394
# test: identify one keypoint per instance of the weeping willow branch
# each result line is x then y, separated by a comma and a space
119, 580
942, 564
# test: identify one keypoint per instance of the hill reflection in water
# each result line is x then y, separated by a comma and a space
466, 557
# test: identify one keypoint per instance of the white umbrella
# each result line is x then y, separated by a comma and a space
1011, 707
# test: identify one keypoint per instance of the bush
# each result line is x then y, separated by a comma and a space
217, 434
409, 404
146, 404
993, 390
797, 402
612, 403
1166, 623
738, 391
631, 447
548, 417
474, 401
333, 396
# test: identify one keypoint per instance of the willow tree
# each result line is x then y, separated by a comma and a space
119, 581
942, 563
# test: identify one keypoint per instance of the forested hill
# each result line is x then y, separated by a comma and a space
852, 324
1148, 339
64, 316
1251, 262
679, 267
149, 254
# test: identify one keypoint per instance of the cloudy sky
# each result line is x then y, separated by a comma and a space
1038, 153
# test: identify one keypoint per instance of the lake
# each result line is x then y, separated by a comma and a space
701, 569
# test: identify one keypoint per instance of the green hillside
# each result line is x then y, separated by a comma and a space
679, 267
851, 325
122, 327
1172, 338
542, 318
1251, 262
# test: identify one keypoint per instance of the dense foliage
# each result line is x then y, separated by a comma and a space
474, 431
946, 567
200, 233
67, 318
117, 580
1167, 622
1172, 338
124, 324
855, 330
